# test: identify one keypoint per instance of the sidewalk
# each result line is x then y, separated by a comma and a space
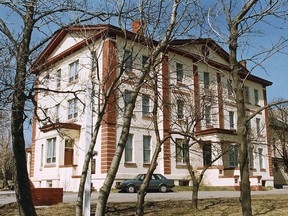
9, 196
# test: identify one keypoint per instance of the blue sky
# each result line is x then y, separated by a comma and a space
263, 35
277, 73
274, 69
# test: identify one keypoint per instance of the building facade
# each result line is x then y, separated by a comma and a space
195, 97
279, 132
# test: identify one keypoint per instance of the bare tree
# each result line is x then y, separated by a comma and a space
278, 120
154, 54
6, 160
241, 20
23, 42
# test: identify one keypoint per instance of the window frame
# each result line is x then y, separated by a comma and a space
231, 119
230, 90
72, 108
58, 78
129, 149
73, 71
261, 158
258, 126
233, 156
207, 151
246, 94
179, 72
145, 104
256, 97
181, 151
180, 109
51, 151
208, 118
206, 80
146, 149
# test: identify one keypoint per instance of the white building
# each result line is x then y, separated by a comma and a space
191, 72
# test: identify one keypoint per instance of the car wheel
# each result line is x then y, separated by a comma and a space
163, 188
131, 189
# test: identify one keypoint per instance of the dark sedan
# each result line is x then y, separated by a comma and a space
157, 182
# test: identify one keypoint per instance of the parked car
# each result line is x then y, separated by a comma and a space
157, 182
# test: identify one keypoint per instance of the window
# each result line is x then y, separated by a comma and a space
233, 156
206, 80
180, 109
49, 184
229, 87
258, 126
51, 151
57, 112
146, 149
179, 72
246, 94
129, 149
58, 78
93, 61
144, 60
261, 158
145, 105
256, 97
207, 154
41, 156
128, 61
72, 108
231, 119
73, 71
208, 115
181, 151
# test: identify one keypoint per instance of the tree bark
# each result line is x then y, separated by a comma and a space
194, 203
105, 189
22, 182
142, 191
245, 195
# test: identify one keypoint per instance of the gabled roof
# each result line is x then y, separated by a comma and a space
42, 62
223, 54
106, 30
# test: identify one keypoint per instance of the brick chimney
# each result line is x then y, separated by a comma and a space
137, 27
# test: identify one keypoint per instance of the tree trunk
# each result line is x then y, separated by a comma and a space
79, 203
245, 195
142, 191
194, 203
22, 182
140, 200
195, 181
105, 189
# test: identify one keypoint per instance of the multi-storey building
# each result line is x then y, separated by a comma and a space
279, 132
196, 97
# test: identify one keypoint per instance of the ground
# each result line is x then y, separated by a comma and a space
262, 205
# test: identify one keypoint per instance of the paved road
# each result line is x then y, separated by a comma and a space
9, 196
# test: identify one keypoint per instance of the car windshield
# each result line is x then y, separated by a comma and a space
139, 177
